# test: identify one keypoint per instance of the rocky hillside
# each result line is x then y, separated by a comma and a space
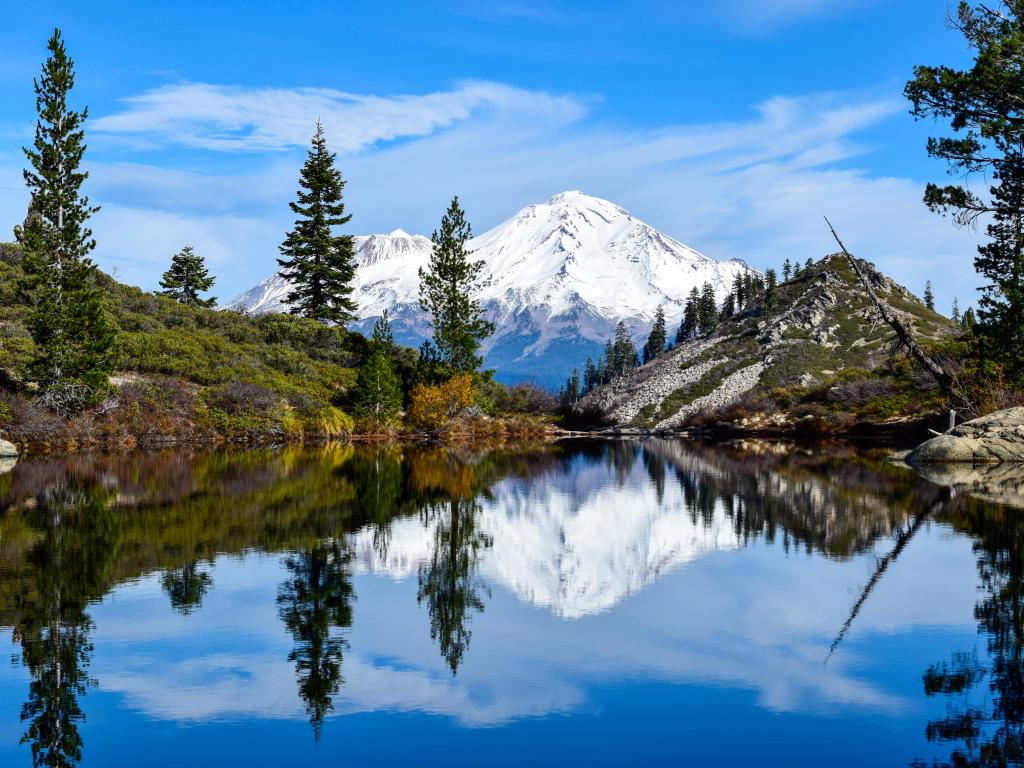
820, 339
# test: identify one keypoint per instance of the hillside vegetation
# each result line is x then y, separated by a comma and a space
187, 372
817, 352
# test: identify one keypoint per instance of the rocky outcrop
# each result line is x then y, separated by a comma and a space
992, 439
817, 324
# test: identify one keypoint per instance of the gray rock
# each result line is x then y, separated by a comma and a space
7, 464
8, 450
993, 439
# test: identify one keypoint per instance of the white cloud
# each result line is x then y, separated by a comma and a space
753, 188
236, 118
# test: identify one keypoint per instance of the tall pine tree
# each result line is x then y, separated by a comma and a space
319, 264
187, 278
73, 338
985, 108
929, 297
447, 289
658, 337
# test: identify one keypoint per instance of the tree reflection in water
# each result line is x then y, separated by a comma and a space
314, 603
989, 729
74, 533
186, 586
449, 582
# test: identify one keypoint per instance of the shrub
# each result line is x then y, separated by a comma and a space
434, 406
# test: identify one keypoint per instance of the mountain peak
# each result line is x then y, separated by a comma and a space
398, 233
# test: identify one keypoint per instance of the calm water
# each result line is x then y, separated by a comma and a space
611, 603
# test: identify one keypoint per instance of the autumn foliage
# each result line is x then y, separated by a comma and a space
433, 407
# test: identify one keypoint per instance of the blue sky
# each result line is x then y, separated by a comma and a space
732, 126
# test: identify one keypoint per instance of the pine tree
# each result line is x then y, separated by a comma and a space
600, 371
68, 323
590, 376
623, 355
572, 387
968, 320
707, 310
808, 264
929, 297
658, 337
787, 271
984, 107
319, 264
447, 289
382, 336
187, 278
955, 313
739, 293
378, 396
728, 307
689, 324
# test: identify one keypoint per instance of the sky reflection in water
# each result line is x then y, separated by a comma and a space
607, 603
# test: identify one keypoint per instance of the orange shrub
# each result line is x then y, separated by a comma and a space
433, 407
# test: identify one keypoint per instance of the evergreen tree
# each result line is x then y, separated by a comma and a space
787, 271
600, 371
319, 264
623, 357
609, 361
187, 278
590, 380
707, 310
955, 313
689, 324
739, 292
382, 336
73, 338
378, 389
728, 307
658, 337
808, 264
985, 107
968, 320
571, 390
929, 297
447, 290
771, 287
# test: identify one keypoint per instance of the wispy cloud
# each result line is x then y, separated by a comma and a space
237, 118
752, 188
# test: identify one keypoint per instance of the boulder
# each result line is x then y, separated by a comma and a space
992, 439
8, 450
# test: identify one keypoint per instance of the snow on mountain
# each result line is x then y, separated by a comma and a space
576, 549
558, 277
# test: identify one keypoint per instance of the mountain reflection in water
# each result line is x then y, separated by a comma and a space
495, 588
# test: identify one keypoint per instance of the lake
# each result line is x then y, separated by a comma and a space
598, 603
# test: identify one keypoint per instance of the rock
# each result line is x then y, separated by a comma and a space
8, 450
7, 464
992, 439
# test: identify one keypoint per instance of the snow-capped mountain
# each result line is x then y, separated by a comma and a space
558, 277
